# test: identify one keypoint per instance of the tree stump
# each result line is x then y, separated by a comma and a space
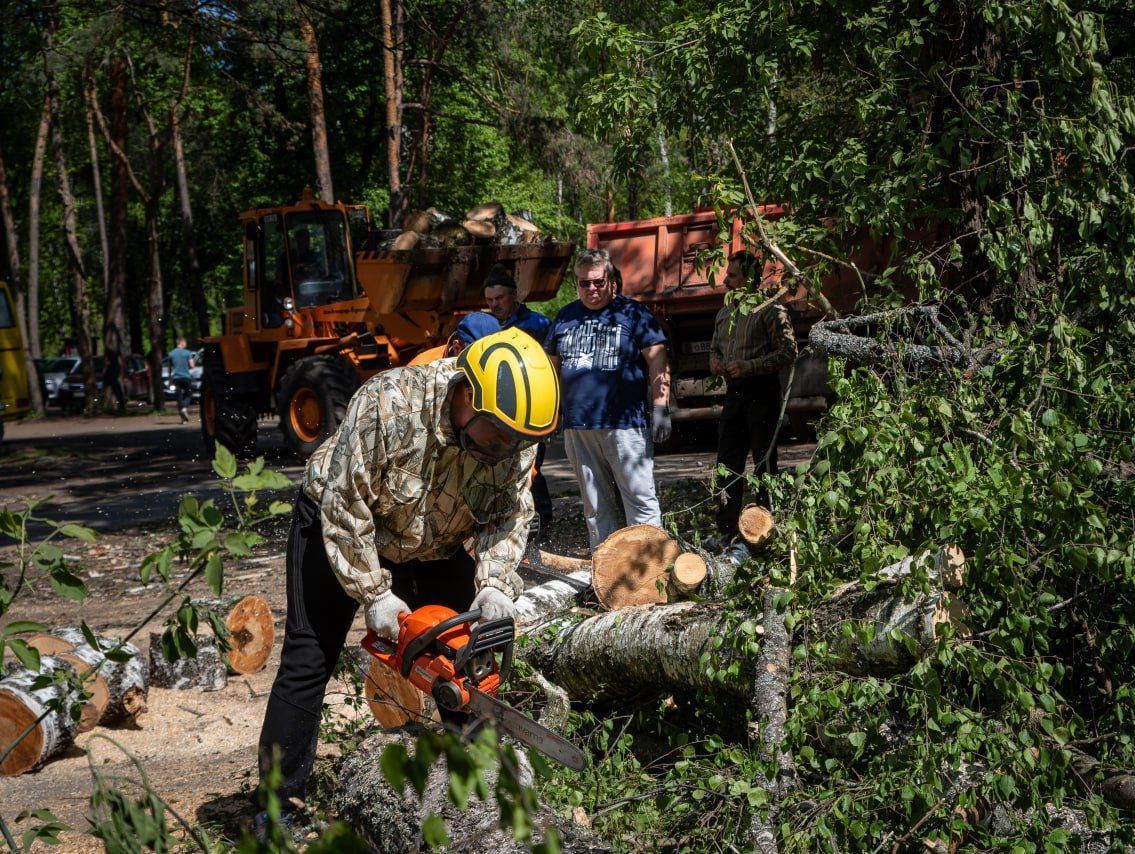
21, 705
631, 567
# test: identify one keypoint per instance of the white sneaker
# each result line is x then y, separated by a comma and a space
184, 413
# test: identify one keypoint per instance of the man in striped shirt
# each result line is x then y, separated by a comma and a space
748, 350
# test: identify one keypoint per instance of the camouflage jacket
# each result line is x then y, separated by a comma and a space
392, 483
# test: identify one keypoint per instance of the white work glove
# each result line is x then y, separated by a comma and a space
494, 605
382, 615
660, 423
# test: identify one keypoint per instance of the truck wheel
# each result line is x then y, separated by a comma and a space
228, 422
312, 400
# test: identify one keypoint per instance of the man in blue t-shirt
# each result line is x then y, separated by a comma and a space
615, 382
180, 361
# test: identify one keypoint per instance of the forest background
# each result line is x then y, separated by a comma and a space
991, 143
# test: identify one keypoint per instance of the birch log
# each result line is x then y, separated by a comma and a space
86, 663
21, 705
125, 681
207, 671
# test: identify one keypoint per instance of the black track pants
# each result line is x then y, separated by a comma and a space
320, 614
748, 422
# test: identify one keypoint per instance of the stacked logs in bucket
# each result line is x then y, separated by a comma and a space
487, 223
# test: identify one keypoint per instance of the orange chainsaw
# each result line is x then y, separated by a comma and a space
443, 654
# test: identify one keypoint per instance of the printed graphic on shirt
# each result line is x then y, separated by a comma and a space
591, 346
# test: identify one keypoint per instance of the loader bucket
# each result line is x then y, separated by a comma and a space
446, 280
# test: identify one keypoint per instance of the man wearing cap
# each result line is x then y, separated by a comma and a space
500, 296
425, 458
472, 327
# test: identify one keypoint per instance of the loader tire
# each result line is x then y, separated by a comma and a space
225, 420
312, 400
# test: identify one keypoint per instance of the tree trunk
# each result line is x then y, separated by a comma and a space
392, 81
12, 245
189, 235
155, 302
114, 315
21, 705
664, 156
80, 307
318, 118
96, 181
34, 193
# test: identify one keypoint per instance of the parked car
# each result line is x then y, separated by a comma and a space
195, 374
135, 380
52, 373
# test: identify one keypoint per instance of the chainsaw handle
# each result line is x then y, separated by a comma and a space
423, 641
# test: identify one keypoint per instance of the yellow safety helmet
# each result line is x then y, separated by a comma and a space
514, 382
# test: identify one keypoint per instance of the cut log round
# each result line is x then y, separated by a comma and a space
85, 661
252, 633
208, 671
21, 705
452, 234
418, 221
125, 681
406, 240
756, 526
630, 567
689, 572
393, 701
487, 211
481, 229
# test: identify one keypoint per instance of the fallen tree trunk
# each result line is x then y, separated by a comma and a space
124, 681
207, 671
551, 598
21, 705
391, 822
657, 649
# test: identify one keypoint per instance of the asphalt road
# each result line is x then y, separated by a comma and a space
111, 473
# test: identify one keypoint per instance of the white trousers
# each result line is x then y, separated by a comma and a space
614, 466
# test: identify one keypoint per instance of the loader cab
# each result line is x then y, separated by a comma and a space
297, 258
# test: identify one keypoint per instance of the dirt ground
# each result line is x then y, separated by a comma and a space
198, 749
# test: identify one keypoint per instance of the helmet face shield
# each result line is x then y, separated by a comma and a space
487, 440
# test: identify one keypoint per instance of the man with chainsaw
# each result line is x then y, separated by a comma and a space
426, 457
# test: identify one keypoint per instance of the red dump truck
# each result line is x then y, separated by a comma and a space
659, 261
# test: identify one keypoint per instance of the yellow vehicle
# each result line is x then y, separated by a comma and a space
15, 401
321, 314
